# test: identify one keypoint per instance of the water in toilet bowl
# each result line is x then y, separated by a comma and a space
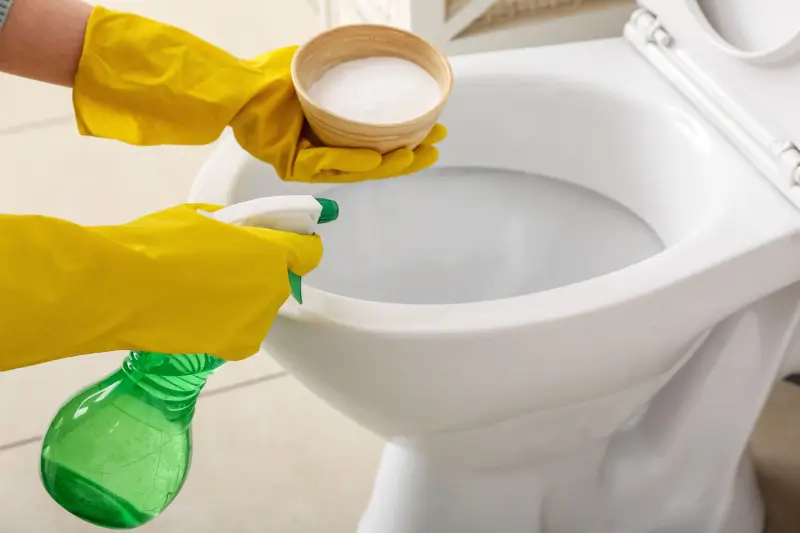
458, 235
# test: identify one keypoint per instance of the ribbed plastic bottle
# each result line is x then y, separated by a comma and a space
118, 452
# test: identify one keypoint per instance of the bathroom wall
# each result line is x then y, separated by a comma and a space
464, 26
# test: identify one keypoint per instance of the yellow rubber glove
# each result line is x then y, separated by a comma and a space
146, 83
173, 282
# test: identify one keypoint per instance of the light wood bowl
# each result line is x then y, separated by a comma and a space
346, 43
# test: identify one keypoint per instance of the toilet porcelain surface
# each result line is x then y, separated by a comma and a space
591, 115
547, 325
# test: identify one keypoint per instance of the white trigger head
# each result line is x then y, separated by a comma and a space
296, 214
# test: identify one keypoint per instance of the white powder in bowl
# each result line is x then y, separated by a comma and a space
377, 90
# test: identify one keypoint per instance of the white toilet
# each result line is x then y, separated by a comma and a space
571, 324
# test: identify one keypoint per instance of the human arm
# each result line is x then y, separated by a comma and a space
148, 83
145, 83
172, 282
43, 39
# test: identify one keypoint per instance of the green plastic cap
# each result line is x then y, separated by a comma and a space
296, 285
330, 211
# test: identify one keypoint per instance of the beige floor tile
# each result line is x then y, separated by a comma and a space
243, 27
267, 459
272, 457
26, 102
54, 171
38, 392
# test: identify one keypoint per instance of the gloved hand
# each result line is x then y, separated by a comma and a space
174, 282
147, 83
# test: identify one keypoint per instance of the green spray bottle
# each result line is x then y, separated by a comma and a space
118, 452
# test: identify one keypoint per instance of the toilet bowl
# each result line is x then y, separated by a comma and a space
572, 322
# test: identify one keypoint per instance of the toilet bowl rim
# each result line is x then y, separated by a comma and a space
594, 295
320, 306
726, 235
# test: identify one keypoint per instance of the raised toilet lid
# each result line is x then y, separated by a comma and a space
739, 62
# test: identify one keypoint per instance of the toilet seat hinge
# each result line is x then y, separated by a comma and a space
650, 28
776, 157
789, 155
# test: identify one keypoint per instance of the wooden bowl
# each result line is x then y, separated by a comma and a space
347, 43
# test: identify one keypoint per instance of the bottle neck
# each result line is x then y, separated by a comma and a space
175, 379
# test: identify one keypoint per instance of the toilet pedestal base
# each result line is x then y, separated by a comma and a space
679, 466
412, 494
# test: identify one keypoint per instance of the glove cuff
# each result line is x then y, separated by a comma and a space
147, 83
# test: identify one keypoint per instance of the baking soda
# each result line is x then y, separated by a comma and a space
377, 90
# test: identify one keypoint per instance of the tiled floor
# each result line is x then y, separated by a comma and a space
269, 456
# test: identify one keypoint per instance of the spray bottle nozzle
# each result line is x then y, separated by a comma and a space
329, 213
330, 210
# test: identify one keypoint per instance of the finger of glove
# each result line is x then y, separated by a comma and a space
421, 158
392, 164
303, 252
437, 134
424, 157
315, 164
